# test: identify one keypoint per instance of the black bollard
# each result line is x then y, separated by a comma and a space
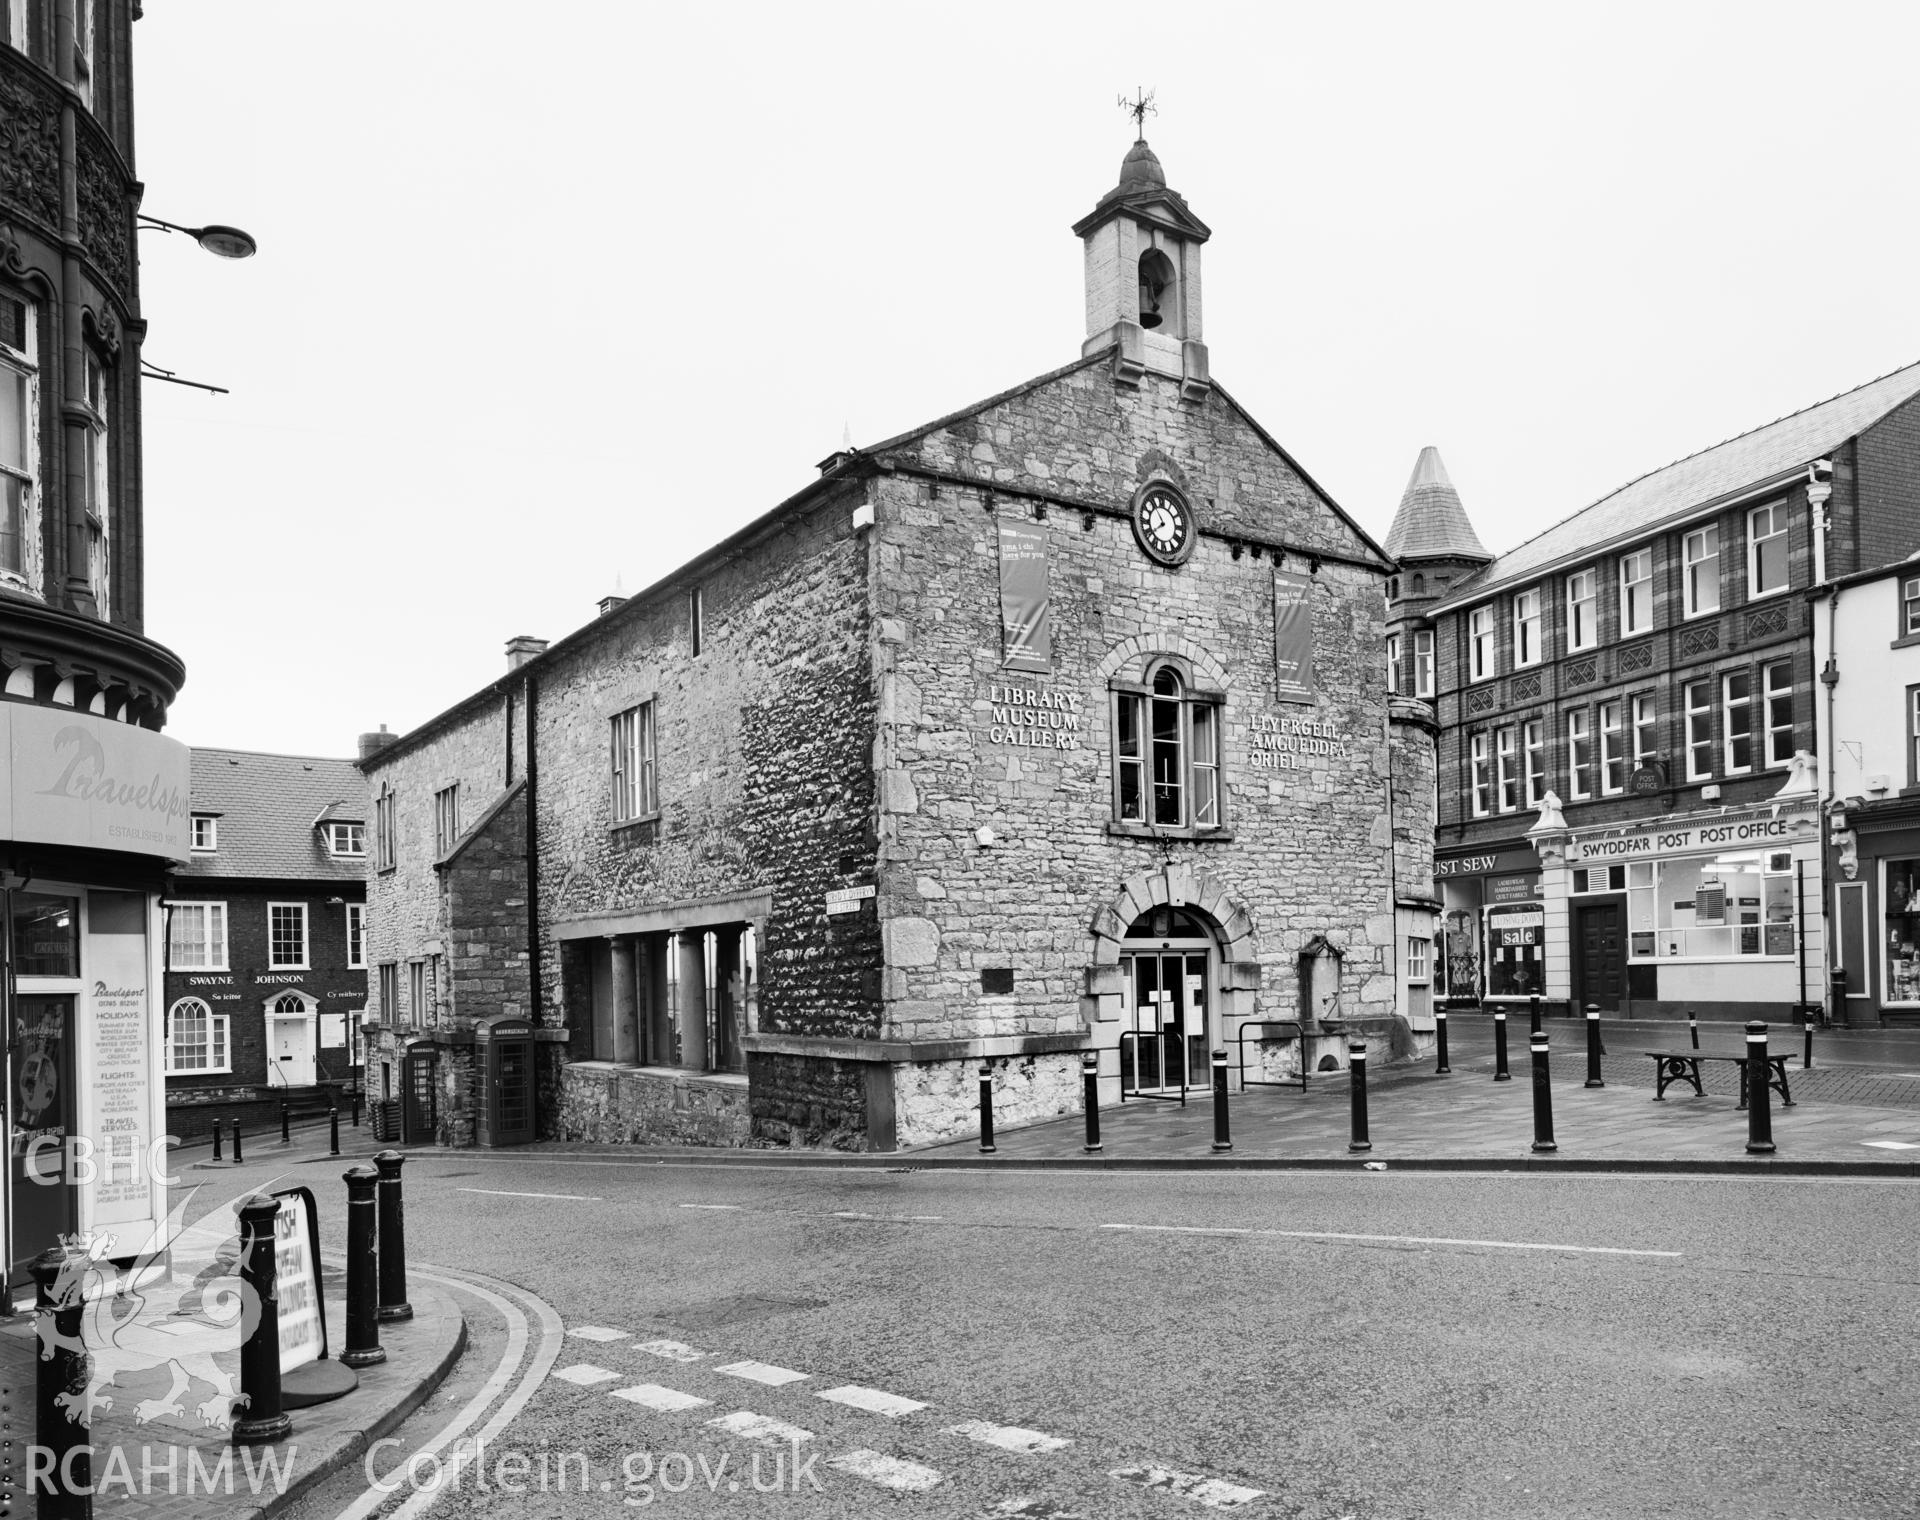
356, 1106
1693, 1028
1806, 1061
1500, 1072
286, 1133
65, 1491
1357, 1069
1222, 1141
1759, 1115
1533, 1013
393, 1239
986, 1108
1542, 1098
363, 1270
1594, 1079
333, 1131
1439, 1040
265, 1420
237, 1157
216, 1141
1090, 1089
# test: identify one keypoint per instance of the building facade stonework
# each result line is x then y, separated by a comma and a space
1057, 726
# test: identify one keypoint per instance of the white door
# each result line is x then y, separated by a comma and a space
292, 1052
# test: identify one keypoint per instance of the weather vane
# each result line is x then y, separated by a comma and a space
1140, 108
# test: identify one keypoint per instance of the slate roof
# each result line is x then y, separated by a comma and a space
1690, 485
267, 806
1431, 522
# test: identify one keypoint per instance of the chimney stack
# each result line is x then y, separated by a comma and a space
522, 648
372, 744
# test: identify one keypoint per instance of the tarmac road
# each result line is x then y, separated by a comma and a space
1166, 1344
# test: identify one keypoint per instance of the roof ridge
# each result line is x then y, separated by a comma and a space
267, 754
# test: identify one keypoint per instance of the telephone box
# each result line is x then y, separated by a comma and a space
504, 1051
420, 1082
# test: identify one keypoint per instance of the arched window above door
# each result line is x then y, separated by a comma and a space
1166, 753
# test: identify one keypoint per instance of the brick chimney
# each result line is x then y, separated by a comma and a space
522, 648
372, 744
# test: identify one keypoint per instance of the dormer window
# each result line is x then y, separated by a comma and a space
347, 839
206, 833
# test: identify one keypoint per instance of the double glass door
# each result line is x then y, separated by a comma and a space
1165, 1046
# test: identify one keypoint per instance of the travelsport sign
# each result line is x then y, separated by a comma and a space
77, 779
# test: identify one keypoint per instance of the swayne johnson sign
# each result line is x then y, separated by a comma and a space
76, 779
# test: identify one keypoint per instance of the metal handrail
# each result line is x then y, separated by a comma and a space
1136, 1035
1299, 1036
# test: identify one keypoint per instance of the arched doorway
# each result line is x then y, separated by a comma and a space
1170, 1018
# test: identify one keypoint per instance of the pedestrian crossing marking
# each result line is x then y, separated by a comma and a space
1214, 1493
599, 1333
888, 1472
758, 1427
872, 1400
1893, 1145
1007, 1437
760, 1372
664, 1400
672, 1351
586, 1375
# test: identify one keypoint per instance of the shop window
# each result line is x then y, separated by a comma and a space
1716, 907
1736, 704
1700, 558
1646, 740
383, 830
1902, 897
19, 432
1481, 774
356, 936
446, 820
46, 935
1766, 551
287, 936
206, 833
1526, 627
196, 936
1579, 754
1777, 691
634, 795
1166, 763
1516, 934
346, 839
1480, 643
1423, 663
1533, 742
1583, 602
1910, 606
1613, 755
1506, 760
1393, 664
1417, 959
197, 1039
1699, 730
1636, 592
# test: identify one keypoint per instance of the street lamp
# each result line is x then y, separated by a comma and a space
227, 242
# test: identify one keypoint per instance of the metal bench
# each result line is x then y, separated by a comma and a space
1672, 1066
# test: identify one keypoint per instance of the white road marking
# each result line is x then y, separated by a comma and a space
672, 1351
872, 1400
560, 1197
1893, 1145
599, 1333
1214, 1493
758, 1427
888, 1472
1400, 1240
886, 1218
665, 1400
1007, 1437
760, 1372
585, 1374
734, 1208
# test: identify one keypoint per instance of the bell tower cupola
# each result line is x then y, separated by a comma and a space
1143, 277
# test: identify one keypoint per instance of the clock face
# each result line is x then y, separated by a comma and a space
1163, 522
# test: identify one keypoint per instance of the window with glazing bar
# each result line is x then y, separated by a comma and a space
1166, 761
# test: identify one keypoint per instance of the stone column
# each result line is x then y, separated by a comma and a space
626, 1029
691, 946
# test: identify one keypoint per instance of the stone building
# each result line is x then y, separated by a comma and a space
1629, 810
1056, 725
93, 797
266, 974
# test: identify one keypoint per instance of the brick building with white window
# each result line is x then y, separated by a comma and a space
1057, 725
1629, 808
266, 970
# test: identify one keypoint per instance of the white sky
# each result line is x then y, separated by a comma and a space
550, 293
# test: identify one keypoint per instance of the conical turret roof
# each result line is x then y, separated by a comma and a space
1431, 522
